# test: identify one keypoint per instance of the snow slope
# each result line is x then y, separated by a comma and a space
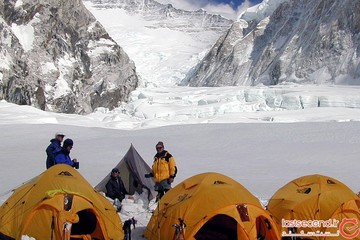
262, 156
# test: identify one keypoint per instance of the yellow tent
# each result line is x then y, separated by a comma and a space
59, 204
315, 197
212, 206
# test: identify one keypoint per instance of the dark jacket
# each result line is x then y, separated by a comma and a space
55, 146
63, 157
115, 188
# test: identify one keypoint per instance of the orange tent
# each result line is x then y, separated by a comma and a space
211, 206
59, 204
315, 197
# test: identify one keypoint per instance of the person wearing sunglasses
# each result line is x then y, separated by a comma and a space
164, 170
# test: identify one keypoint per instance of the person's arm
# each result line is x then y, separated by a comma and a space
151, 174
123, 187
172, 167
110, 190
50, 152
61, 158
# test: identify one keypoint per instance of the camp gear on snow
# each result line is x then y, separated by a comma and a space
76, 165
117, 204
127, 228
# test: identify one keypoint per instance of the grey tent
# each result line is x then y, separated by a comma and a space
132, 171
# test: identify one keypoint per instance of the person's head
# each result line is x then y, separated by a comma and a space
59, 136
68, 144
159, 147
115, 172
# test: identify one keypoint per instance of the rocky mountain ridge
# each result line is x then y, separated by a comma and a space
56, 56
302, 41
164, 42
165, 15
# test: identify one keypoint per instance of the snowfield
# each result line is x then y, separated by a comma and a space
261, 155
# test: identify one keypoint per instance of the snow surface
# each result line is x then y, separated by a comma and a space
261, 155
25, 33
263, 137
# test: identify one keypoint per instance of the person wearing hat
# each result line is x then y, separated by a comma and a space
164, 170
115, 186
63, 155
55, 146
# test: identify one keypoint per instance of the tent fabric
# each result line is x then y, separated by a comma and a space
59, 204
132, 171
314, 197
212, 206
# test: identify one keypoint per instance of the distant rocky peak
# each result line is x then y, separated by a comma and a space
301, 41
167, 15
133, 5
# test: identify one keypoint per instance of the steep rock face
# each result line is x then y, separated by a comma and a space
57, 57
302, 41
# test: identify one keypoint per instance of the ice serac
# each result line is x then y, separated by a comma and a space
56, 56
301, 41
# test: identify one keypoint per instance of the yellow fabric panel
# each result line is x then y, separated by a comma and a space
197, 199
34, 203
163, 169
313, 197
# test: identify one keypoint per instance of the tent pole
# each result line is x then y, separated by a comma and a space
158, 220
52, 227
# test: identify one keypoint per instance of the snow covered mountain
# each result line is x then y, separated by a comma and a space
301, 41
56, 56
160, 15
164, 42
65, 61
164, 55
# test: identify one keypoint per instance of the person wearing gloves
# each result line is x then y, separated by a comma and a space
164, 170
63, 155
